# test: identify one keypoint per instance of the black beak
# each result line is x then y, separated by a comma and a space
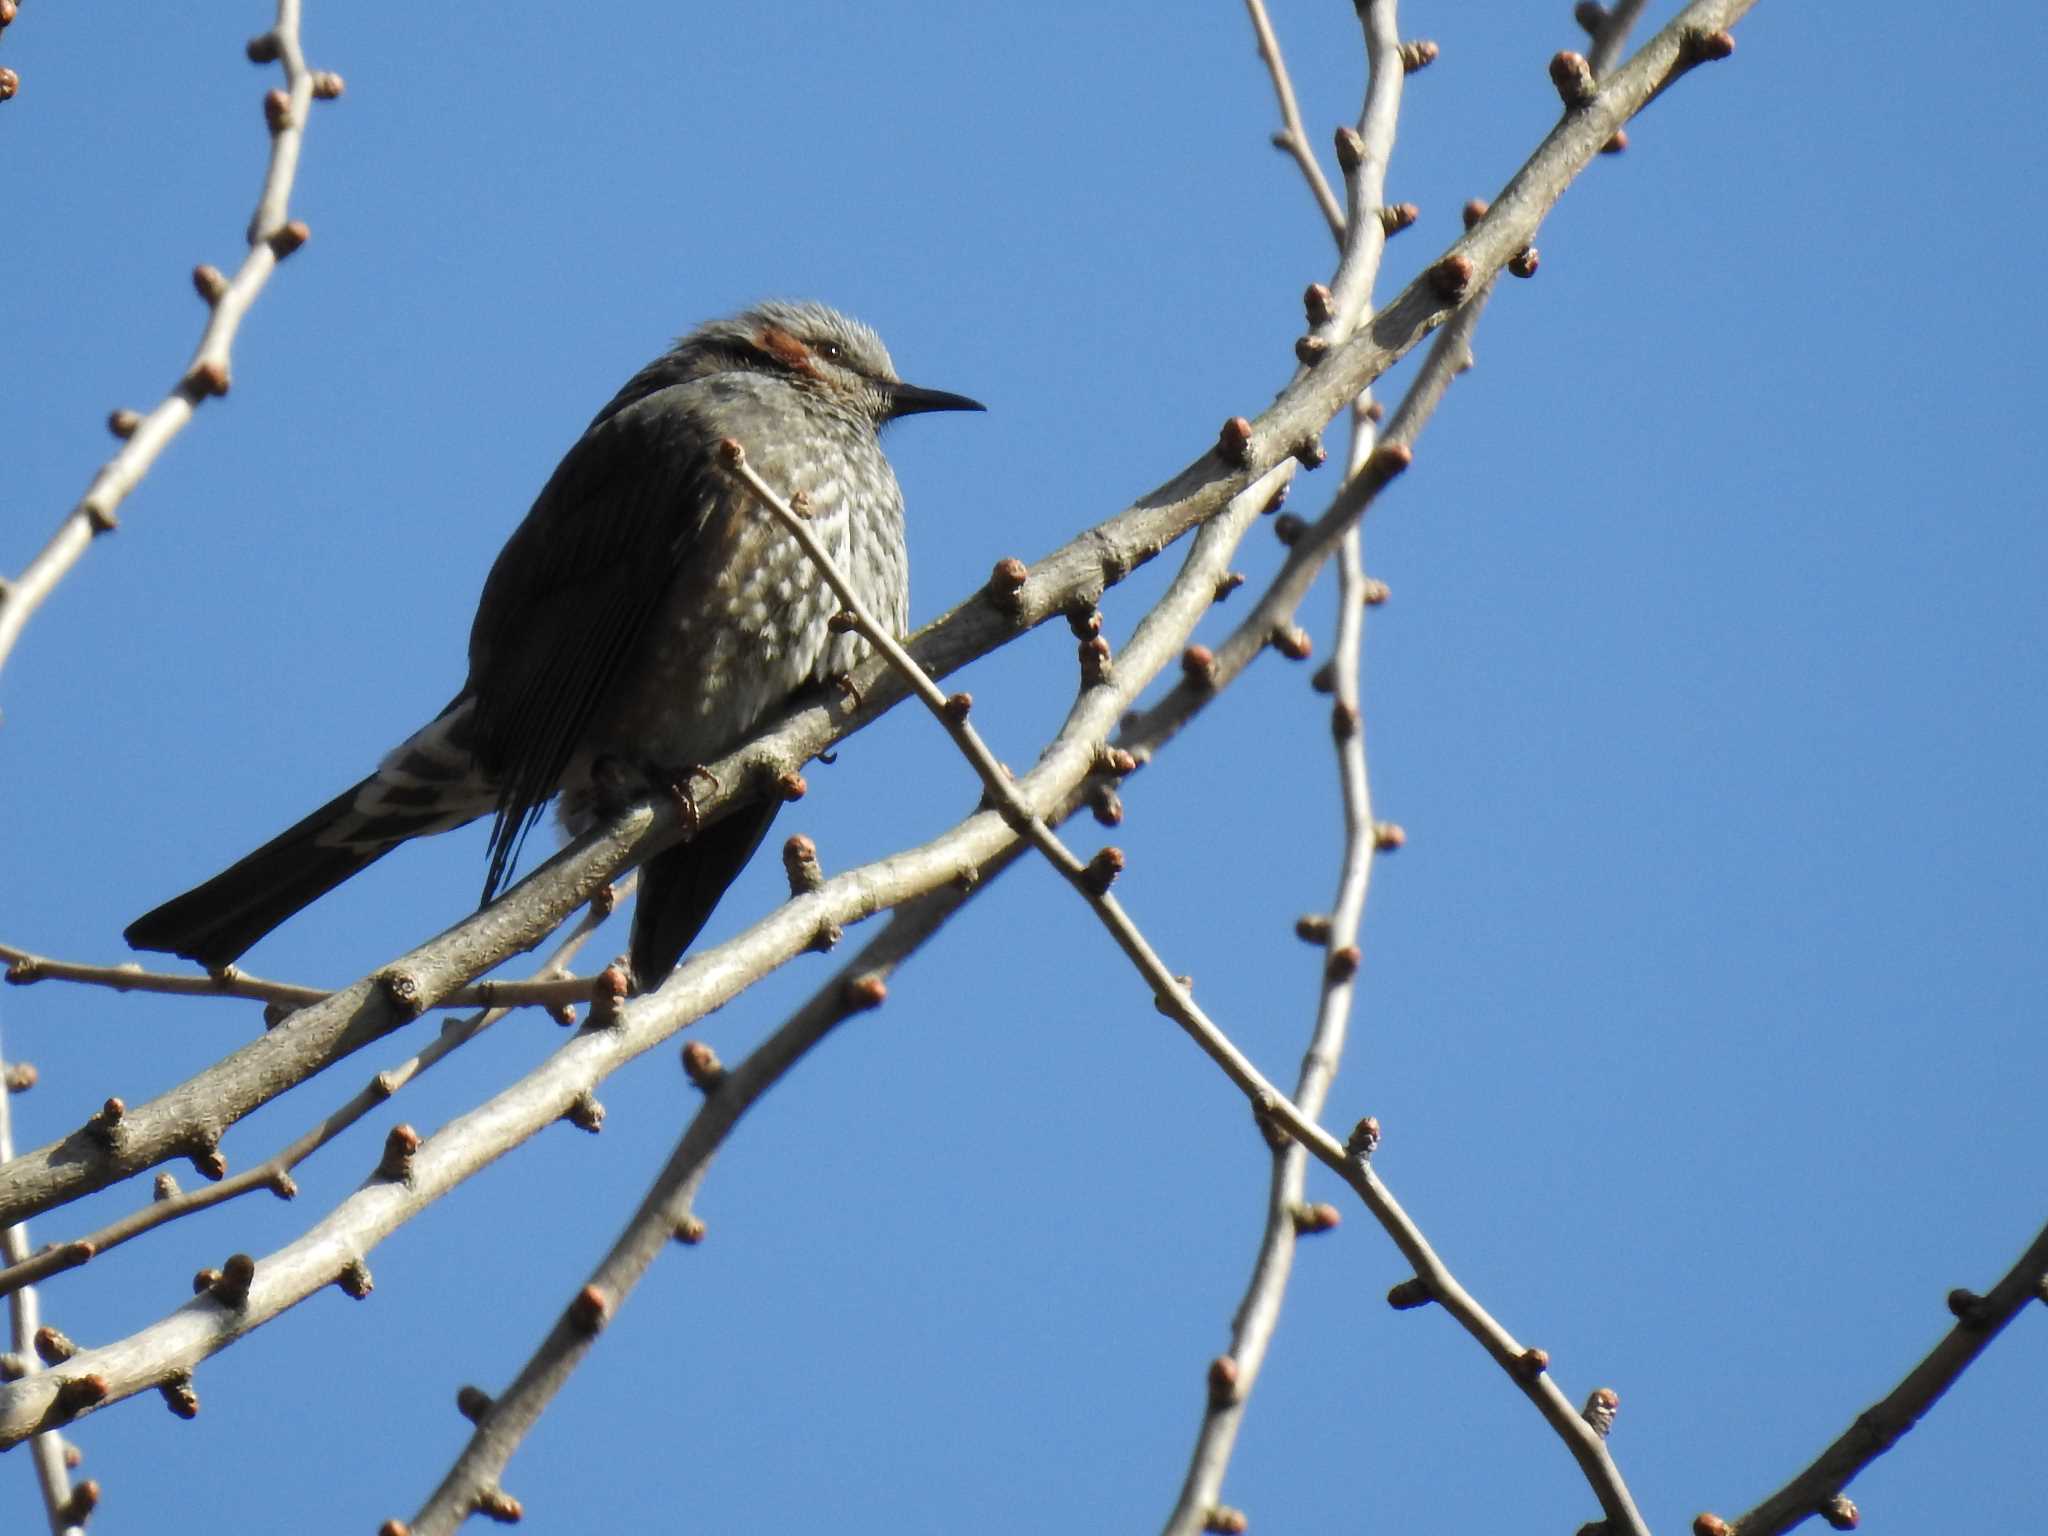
909, 400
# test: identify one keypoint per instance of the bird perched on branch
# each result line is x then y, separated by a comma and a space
644, 618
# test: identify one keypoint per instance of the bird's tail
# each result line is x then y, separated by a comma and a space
679, 886
429, 784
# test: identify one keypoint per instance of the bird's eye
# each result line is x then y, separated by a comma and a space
829, 350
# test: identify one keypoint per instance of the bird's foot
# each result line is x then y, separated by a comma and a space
686, 803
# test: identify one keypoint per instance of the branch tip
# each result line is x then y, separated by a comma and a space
179, 1396
494, 1503
1311, 1219
800, 863
355, 1280
1573, 77
1312, 928
1310, 453
289, 237
702, 1066
1602, 1404
1343, 963
472, 1403
585, 1112
277, 110
1198, 666
1395, 217
53, 1346
1409, 1295
591, 1309
1106, 805
1234, 442
210, 283
1097, 664
1524, 262
1117, 761
1841, 1513
689, 1231
75, 1394
1967, 1307
1222, 1381
1418, 53
1474, 210
10, 82
1293, 642
1100, 873
8, 11
83, 1499
1452, 276
1006, 583
1617, 144
399, 1146
1350, 148
1228, 583
1364, 1140
1288, 528
1708, 1524
1531, 1363
1318, 304
1704, 47
21, 1076
1388, 836
862, 993
1372, 592
1084, 620
105, 1124
791, 786
1166, 1004
283, 1185
1310, 350
402, 990
1225, 1521
327, 85
231, 1287
263, 48
394, 1528
164, 1188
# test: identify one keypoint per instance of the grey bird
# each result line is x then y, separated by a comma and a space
642, 620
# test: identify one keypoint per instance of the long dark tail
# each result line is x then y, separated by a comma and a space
679, 887
427, 785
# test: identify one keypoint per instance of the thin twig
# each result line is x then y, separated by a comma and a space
1979, 1320
25, 968
1258, 1314
1612, 34
271, 238
274, 1172
46, 1450
664, 1213
1291, 137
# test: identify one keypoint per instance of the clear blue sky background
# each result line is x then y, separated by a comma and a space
1703, 1009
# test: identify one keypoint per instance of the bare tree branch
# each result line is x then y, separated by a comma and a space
663, 1217
1818, 1489
25, 968
46, 1450
274, 1172
1292, 138
271, 239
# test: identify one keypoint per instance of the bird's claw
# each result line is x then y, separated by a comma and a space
686, 802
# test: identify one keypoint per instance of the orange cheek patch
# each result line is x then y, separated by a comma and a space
786, 350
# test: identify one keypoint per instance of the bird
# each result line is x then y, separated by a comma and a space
642, 620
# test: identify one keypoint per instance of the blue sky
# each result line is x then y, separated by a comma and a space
1703, 1008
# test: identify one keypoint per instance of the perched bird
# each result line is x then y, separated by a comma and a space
645, 616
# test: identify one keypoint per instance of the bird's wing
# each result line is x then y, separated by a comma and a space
573, 593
